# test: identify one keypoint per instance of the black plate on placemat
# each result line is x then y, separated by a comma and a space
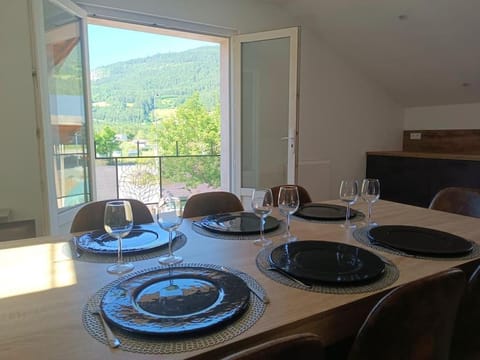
141, 238
325, 261
316, 211
237, 223
176, 301
419, 240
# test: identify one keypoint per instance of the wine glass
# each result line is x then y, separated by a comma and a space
370, 193
169, 217
348, 194
288, 203
262, 205
118, 222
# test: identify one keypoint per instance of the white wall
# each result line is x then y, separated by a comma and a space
342, 114
19, 171
461, 116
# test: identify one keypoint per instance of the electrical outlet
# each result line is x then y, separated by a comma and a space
415, 136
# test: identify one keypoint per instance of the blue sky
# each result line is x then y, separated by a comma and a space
109, 45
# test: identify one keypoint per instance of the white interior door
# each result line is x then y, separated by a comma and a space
265, 109
61, 64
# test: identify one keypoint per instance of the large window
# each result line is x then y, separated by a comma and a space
156, 110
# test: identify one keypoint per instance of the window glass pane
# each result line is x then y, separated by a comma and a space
265, 112
68, 129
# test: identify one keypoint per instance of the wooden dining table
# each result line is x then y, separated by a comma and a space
43, 289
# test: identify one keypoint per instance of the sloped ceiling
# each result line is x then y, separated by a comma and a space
422, 52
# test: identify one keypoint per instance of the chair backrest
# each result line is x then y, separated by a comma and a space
90, 216
212, 202
413, 321
299, 347
303, 194
463, 201
465, 342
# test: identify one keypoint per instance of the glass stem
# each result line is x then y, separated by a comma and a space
170, 243
262, 226
347, 216
369, 212
288, 224
120, 255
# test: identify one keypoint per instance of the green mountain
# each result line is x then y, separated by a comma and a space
127, 92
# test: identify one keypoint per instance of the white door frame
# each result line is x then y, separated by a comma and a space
292, 34
167, 26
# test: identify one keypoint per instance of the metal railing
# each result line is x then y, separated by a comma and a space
148, 177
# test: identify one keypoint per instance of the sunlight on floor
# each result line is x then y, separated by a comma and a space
35, 268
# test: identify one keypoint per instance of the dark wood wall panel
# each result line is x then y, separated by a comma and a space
415, 181
443, 141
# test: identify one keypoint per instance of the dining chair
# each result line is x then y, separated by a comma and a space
465, 342
413, 321
458, 200
302, 346
211, 202
303, 194
90, 216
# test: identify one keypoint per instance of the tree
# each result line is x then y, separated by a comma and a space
105, 142
192, 130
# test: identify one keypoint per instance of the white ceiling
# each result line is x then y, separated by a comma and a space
432, 57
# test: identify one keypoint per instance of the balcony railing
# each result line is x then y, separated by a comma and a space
148, 177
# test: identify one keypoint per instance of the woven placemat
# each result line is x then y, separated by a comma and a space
361, 235
199, 229
178, 242
161, 345
359, 216
389, 276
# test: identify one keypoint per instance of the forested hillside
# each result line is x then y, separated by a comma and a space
128, 92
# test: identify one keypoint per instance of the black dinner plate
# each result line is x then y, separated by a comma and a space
176, 301
238, 223
141, 238
419, 240
318, 211
325, 261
